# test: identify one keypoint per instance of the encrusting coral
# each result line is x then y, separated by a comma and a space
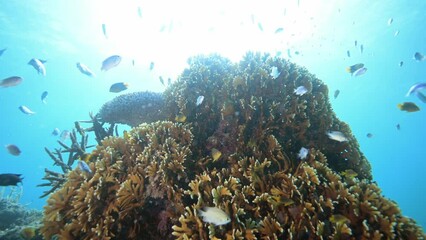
150, 183
133, 108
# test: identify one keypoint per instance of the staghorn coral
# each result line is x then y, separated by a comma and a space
133, 109
150, 183
76, 150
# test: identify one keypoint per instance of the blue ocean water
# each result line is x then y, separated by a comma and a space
315, 34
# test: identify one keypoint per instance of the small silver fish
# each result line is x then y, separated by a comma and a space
10, 81
162, 80
336, 93
360, 72
274, 72
38, 65
84, 167
26, 110
401, 63
2, 51
396, 33
390, 21
104, 30
44, 96
140, 12
13, 149
361, 48
85, 70
56, 132
110, 62
348, 53
118, 87
65, 135
214, 215
200, 100
337, 136
151, 66
303, 153
259, 25
300, 90
416, 88
279, 30
419, 57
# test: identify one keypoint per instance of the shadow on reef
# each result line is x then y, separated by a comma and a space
150, 183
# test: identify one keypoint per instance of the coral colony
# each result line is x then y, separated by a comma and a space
236, 155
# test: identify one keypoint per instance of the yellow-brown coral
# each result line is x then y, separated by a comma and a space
150, 184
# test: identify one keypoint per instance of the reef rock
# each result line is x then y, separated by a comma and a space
150, 183
15, 217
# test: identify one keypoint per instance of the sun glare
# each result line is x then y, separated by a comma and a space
171, 31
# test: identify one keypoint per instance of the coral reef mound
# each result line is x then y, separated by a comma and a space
238, 151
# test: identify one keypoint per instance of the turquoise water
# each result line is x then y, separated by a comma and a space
317, 34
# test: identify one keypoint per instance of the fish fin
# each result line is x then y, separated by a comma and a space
349, 70
421, 96
399, 106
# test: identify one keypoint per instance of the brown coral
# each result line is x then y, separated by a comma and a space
132, 183
151, 183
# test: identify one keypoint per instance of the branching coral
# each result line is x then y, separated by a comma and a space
237, 151
136, 183
75, 151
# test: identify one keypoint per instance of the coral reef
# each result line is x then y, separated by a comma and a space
14, 217
75, 151
130, 184
236, 151
246, 98
97, 128
133, 109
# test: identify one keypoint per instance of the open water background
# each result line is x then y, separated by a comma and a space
317, 34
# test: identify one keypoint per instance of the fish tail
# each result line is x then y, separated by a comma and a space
349, 70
